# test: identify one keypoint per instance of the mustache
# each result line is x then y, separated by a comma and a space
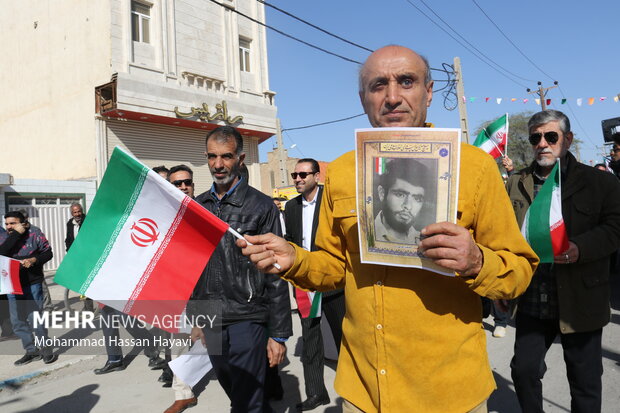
543, 150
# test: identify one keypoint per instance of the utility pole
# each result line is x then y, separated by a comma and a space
460, 97
542, 93
281, 154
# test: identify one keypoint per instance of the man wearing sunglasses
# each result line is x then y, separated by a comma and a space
412, 339
182, 177
569, 297
302, 219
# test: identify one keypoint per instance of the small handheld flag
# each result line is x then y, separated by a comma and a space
494, 138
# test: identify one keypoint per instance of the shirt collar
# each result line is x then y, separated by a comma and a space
227, 194
307, 203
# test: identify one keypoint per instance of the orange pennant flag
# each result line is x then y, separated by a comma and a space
590, 101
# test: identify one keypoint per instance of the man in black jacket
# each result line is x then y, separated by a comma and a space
255, 307
302, 218
74, 224
33, 250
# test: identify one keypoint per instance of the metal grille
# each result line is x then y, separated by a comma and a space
168, 145
51, 215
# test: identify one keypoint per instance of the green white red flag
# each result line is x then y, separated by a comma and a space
543, 227
144, 244
494, 138
308, 303
9, 276
380, 165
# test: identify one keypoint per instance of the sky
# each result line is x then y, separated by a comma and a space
573, 43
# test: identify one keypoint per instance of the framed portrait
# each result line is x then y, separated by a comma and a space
407, 178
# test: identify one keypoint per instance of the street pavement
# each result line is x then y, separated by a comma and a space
69, 385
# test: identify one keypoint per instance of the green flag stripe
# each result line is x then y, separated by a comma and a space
316, 304
110, 210
487, 132
539, 234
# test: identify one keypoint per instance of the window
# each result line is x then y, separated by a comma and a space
140, 20
244, 55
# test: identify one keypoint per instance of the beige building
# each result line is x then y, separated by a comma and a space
81, 77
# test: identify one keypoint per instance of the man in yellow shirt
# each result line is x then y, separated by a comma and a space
412, 339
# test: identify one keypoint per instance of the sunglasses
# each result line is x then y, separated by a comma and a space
302, 175
551, 137
615, 149
187, 182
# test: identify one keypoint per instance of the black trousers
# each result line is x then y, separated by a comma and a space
111, 334
241, 367
313, 355
582, 355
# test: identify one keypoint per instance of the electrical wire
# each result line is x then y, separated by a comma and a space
288, 135
286, 34
465, 46
323, 123
469, 43
315, 26
575, 116
511, 42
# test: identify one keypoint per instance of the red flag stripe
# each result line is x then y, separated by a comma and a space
304, 305
176, 258
14, 275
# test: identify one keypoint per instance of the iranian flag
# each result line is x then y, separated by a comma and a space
543, 227
9, 276
144, 245
380, 164
308, 303
494, 138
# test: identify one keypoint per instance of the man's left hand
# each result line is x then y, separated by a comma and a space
570, 256
29, 262
452, 247
275, 352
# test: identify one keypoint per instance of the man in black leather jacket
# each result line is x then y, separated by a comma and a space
255, 307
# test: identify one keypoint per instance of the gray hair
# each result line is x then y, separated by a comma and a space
549, 115
428, 78
76, 204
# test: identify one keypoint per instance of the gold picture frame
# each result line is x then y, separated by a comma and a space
406, 179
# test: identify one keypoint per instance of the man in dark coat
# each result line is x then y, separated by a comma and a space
570, 296
302, 218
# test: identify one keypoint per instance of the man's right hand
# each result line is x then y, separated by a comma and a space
508, 165
196, 334
267, 250
19, 227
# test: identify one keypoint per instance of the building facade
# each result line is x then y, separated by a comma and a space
153, 77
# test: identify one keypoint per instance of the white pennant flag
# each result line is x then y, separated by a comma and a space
579, 101
499, 100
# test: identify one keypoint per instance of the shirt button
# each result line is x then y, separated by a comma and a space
382, 371
379, 283
379, 326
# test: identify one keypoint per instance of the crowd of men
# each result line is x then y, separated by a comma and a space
408, 339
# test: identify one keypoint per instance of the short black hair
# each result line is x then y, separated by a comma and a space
315, 165
161, 168
15, 214
181, 167
224, 133
407, 169
616, 138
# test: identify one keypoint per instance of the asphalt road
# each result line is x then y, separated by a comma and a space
69, 385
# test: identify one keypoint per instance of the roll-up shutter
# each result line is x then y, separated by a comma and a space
156, 145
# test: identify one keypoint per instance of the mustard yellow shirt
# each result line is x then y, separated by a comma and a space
412, 339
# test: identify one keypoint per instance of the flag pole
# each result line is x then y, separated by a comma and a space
507, 130
239, 236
